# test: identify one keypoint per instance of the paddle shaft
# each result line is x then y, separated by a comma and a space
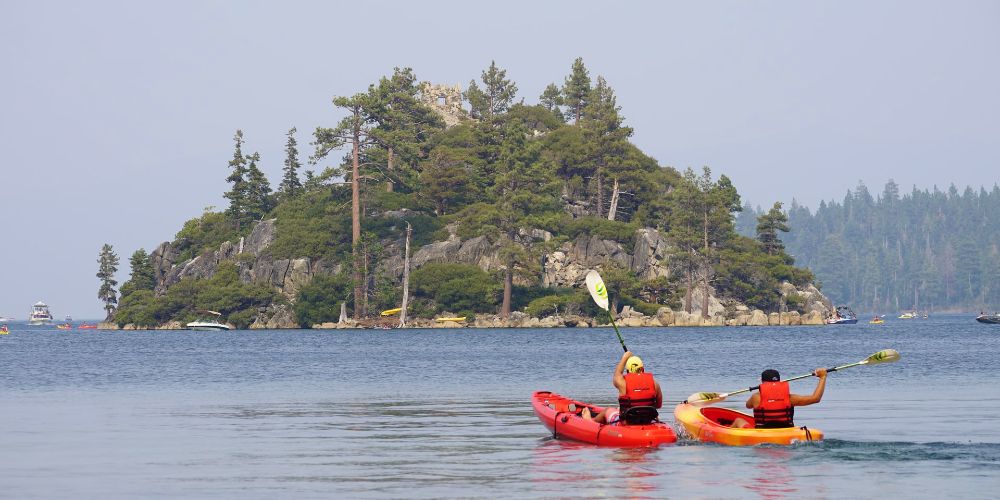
828, 370
620, 339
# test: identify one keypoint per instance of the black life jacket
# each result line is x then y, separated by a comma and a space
640, 390
775, 409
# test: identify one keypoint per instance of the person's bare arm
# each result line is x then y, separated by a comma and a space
817, 394
754, 400
618, 380
659, 395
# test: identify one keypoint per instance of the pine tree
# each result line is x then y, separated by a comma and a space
576, 91
768, 226
108, 266
237, 211
551, 98
290, 186
143, 277
496, 95
258, 191
354, 129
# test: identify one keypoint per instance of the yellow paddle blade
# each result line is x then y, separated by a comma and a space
597, 289
883, 356
701, 398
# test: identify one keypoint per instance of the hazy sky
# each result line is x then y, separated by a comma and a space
117, 117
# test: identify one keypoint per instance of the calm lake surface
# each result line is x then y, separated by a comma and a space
447, 413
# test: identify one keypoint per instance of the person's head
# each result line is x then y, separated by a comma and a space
633, 365
770, 375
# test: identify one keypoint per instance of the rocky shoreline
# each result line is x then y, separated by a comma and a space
565, 266
628, 318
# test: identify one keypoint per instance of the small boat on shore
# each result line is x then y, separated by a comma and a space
990, 319
209, 325
714, 424
390, 312
562, 416
456, 320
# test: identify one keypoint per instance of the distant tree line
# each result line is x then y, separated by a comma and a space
923, 250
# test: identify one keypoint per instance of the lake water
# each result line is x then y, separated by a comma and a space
446, 413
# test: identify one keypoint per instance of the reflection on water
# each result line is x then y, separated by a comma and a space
361, 414
772, 477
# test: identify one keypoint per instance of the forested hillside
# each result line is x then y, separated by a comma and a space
520, 180
926, 250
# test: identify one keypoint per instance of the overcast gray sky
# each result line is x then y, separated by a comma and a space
117, 117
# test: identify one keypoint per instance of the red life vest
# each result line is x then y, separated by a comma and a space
640, 390
775, 407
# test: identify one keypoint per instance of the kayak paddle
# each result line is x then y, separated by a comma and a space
702, 398
600, 295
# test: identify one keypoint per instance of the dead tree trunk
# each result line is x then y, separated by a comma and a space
406, 276
614, 201
389, 185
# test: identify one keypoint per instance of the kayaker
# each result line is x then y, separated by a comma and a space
635, 388
774, 406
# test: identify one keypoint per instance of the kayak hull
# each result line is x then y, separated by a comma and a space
561, 416
713, 424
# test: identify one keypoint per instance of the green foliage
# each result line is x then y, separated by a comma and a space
316, 224
622, 232
203, 234
142, 277
185, 301
459, 288
290, 186
319, 301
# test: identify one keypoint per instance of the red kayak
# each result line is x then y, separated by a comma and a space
562, 416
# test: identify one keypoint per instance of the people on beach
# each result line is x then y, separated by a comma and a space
637, 389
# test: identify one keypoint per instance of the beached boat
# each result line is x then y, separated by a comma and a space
562, 416
40, 314
714, 424
209, 325
390, 312
457, 320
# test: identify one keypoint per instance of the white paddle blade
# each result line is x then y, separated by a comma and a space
704, 398
883, 356
597, 289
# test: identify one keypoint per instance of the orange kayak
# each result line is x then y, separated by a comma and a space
562, 417
714, 424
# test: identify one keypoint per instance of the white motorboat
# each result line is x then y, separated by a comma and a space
39, 315
209, 325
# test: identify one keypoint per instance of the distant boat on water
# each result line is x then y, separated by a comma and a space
842, 315
40, 314
992, 319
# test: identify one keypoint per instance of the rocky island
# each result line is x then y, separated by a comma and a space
492, 212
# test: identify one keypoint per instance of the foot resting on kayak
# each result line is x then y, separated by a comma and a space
638, 391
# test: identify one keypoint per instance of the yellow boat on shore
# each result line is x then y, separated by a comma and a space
390, 312
451, 319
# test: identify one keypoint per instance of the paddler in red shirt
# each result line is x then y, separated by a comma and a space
636, 388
